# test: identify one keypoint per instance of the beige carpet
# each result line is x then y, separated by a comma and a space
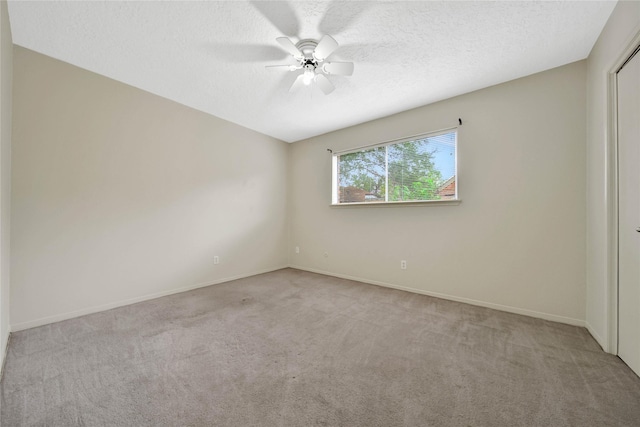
292, 348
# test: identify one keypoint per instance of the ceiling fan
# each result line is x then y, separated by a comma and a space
311, 56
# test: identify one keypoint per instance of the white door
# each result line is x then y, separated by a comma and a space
629, 213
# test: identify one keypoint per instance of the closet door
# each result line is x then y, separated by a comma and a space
629, 213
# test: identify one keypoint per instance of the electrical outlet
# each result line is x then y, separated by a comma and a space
216, 259
403, 265
297, 249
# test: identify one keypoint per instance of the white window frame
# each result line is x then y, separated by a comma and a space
334, 173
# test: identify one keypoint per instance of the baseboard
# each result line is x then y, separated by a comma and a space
500, 307
5, 352
96, 309
596, 337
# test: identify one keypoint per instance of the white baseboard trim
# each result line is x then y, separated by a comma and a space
500, 307
5, 352
596, 337
104, 307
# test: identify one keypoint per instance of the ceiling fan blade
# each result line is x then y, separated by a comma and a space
280, 14
297, 84
326, 47
324, 84
340, 15
338, 68
243, 53
290, 47
289, 67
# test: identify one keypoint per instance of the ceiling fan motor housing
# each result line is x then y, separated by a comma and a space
309, 62
307, 46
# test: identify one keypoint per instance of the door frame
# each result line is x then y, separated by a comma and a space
611, 193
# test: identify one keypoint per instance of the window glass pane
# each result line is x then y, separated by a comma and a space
444, 161
422, 169
419, 169
361, 176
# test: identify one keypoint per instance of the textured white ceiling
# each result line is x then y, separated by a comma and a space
211, 55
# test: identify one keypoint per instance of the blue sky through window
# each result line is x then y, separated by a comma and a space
444, 159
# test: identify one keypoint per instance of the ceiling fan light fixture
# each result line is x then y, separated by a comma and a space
308, 76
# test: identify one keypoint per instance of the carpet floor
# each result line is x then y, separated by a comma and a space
292, 348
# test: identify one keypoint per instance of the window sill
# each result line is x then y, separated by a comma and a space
396, 204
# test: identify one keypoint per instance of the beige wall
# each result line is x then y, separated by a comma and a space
6, 70
119, 195
622, 27
516, 242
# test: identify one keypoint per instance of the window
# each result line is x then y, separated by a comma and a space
422, 168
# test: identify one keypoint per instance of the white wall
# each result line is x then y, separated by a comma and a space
516, 242
622, 27
6, 70
119, 195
